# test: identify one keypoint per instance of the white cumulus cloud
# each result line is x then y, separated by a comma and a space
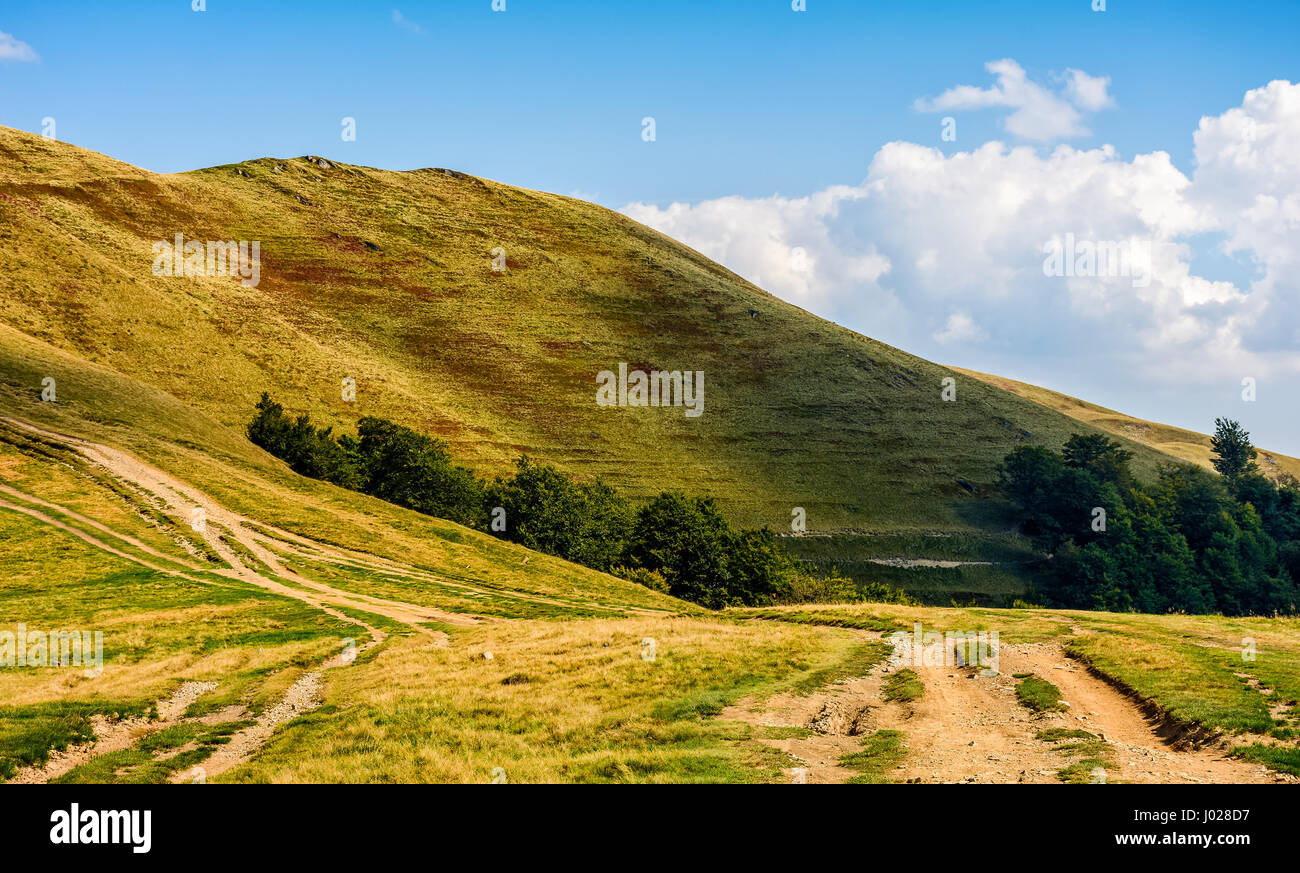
944, 254
405, 23
1040, 114
12, 49
959, 327
1088, 92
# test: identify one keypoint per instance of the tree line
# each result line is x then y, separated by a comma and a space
675, 543
1191, 541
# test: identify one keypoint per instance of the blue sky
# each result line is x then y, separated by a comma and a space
750, 100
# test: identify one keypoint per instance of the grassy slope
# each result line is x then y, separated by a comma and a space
99, 404
559, 702
1186, 444
160, 630
385, 277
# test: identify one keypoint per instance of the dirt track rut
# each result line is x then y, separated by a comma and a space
172, 496
967, 727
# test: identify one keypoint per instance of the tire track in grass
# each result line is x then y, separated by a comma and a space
114, 736
967, 727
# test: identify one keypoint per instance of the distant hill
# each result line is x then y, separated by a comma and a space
1187, 445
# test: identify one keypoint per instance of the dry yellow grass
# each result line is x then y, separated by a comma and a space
557, 702
154, 678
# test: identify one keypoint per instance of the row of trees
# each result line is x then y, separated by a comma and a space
1191, 541
674, 543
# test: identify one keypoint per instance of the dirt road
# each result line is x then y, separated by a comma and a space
967, 727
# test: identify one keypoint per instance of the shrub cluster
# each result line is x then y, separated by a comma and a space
1191, 541
674, 543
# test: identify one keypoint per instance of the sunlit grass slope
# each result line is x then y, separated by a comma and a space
79, 552
577, 701
386, 278
100, 404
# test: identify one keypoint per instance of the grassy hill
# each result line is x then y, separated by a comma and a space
386, 278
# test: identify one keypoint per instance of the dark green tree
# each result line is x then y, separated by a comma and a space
308, 450
1189, 542
1234, 456
685, 539
416, 471
1105, 458
545, 509
758, 570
